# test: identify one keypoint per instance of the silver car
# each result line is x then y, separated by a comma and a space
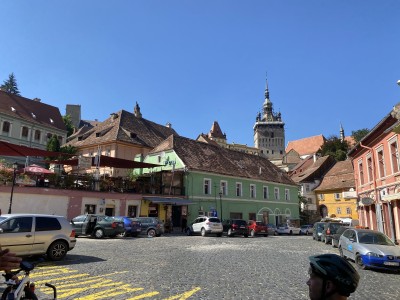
369, 249
34, 234
205, 225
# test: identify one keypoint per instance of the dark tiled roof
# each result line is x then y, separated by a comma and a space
313, 170
309, 145
31, 110
340, 176
216, 131
209, 158
205, 139
123, 126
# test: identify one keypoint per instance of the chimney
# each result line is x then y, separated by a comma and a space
37, 99
168, 125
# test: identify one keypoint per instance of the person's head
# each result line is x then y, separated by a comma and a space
331, 276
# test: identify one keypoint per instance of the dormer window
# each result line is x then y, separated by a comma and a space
13, 109
133, 135
51, 120
33, 115
97, 134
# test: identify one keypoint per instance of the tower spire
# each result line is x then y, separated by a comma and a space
266, 87
341, 132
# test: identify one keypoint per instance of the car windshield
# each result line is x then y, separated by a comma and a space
374, 238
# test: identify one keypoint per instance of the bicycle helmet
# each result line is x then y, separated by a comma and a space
337, 269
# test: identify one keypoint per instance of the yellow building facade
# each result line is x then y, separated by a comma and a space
332, 204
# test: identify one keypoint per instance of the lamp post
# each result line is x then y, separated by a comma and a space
14, 166
220, 203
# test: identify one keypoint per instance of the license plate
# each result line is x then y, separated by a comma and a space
262, 230
138, 230
242, 227
391, 263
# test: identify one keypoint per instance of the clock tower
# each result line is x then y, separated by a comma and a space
269, 131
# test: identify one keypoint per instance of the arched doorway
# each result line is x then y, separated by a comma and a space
323, 211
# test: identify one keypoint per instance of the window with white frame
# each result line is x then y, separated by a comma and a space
252, 190
337, 196
6, 127
381, 162
207, 186
238, 189
348, 210
287, 194
338, 210
360, 172
265, 192
223, 187
37, 135
370, 168
24, 132
307, 187
276, 193
394, 155
321, 196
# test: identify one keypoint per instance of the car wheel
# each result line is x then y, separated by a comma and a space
99, 233
265, 235
151, 232
290, 232
203, 232
326, 241
306, 232
57, 250
341, 252
188, 232
229, 232
359, 262
275, 233
333, 243
245, 235
219, 234
252, 233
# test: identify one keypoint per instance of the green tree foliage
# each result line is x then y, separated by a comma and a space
10, 86
68, 123
53, 144
335, 147
359, 134
69, 150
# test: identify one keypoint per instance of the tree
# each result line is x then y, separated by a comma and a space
359, 134
335, 147
53, 144
68, 123
10, 86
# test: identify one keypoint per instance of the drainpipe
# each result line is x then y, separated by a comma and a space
380, 227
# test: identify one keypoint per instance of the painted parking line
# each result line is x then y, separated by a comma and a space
73, 285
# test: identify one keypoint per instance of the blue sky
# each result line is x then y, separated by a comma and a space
194, 62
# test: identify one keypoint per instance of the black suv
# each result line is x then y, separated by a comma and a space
329, 230
235, 227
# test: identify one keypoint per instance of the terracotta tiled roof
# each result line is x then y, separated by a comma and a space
306, 146
340, 176
214, 159
205, 139
313, 170
123, 126
31, 110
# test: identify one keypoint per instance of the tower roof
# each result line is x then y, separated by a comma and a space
216, 131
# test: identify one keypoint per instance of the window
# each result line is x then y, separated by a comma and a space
90, 208
207, 186
338, 210
394, 156
276, 193
348, 210
370, 170
132, 209
287, 194
37, 135
381, 163
252, 216
21, 224
307, 187
60, 139
252, 191
321, 196
223, 188
47, 224
309, 201
337, 196
238, 189
49, 135
265, 192
25, 132
360, 172
6, 127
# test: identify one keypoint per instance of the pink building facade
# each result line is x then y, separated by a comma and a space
376, 164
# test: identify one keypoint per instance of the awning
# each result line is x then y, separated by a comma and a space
169, 200
8, 149
108, 161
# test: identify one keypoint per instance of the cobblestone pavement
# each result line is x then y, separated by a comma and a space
180, 267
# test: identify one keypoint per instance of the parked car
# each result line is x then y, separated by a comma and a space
306, 229
205, 225
287, 229
272, 229
330, 228
131, 226
257, 228
336, 236
317, 230
151, 226
234, 227
98, 226
35, 234
369, 249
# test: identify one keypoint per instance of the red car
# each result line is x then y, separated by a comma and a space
257, 228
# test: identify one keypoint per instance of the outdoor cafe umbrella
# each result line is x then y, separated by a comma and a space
35, 169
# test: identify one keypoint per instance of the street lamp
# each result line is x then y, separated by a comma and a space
220, 203
14, 166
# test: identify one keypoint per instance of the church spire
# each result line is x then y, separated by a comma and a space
341, 132
266, 89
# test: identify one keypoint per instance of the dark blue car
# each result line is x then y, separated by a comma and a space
131, 225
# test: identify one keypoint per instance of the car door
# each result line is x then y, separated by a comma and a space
345, 242
196, 225
17, 235
46, 229
80, 223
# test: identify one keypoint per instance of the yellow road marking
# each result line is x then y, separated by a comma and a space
185, 295
63, 293
151, 294
123, 289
